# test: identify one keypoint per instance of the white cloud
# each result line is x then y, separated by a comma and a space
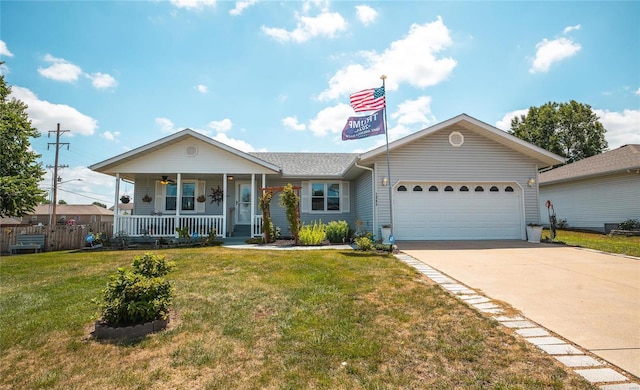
110, 136
330, 120
505, 122
412, 60
549, 52
292, 123
60, 69
102, 80
221, 126
201, 88
411, 112
193, 4
326, 24
638, 91
236, 143
568, 29
166, 125
4, 69
366, 14
45, 115
4, 50
623, 128
241, 6
91, 187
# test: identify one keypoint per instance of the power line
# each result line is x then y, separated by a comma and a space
58, 132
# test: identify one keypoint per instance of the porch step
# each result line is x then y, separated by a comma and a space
241, 231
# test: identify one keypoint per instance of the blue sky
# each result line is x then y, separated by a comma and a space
276, 75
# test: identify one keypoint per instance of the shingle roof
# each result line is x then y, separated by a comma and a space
309, 164
618, 160
72, 209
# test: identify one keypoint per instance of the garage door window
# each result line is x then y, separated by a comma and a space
464, 189
479, 189
508, 189
448, 189
402, 188
433, 189
494, 189
417, 189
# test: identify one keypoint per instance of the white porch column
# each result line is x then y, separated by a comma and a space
116, 207
178, 203
253, 202
225, 221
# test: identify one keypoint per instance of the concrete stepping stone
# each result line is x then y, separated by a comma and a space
621, 386
486, 305
532, 332
595, 375
545, 340
518, 324
578, 361
560, 349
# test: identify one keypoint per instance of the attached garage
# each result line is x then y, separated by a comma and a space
458, 211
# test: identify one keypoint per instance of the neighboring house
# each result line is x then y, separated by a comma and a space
123, 208
459, 179
595, 193
80, 214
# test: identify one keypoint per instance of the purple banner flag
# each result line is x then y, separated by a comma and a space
363, 126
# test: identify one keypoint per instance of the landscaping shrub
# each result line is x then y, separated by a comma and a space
337, 232
139, 295
312, 234
630, 224
364, 243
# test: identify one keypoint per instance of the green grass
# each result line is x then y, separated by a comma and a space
602, 242
261, 319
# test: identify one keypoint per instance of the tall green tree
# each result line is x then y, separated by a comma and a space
20, 172
569, 129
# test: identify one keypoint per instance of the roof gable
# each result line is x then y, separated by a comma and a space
545, 157
625, 158
310, 164
151, 154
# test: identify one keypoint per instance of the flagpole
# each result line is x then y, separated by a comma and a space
386, 134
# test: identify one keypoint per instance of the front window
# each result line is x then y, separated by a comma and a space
325, 196
188, 200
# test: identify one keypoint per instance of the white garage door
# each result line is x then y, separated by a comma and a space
457, 211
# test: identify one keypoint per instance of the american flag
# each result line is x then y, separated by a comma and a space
368, 99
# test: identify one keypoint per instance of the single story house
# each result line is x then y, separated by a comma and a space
595, 193
457, 180
80, 214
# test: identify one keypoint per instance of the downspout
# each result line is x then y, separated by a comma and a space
373, 192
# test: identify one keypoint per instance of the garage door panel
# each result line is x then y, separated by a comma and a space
442, 215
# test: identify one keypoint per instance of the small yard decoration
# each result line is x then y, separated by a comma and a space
216, 195
136, 301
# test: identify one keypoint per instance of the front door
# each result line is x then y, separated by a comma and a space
244, 203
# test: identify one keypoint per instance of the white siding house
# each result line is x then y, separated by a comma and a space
595, 193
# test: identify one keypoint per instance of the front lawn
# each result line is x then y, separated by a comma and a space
248, 319
602, 242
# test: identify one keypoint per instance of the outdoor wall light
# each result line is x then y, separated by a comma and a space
230, 177
385, 181
531, 182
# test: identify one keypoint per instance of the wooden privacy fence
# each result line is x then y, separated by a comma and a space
63, 237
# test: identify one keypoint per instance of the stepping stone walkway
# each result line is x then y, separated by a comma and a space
595, 371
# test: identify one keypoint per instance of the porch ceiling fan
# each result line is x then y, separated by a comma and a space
165, 180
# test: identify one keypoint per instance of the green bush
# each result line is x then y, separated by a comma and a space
312, 234
337, 232
364, 243
630, 224
139, 295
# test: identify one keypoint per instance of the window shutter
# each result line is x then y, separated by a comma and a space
345, 204
159, 203
305, 197
200, 206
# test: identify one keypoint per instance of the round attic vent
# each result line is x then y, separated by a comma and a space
456, 139
191, 150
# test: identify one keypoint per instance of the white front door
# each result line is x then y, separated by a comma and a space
244, 203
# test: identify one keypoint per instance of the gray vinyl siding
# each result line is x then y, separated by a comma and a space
279, 216
364, 203
592, 203
432, 158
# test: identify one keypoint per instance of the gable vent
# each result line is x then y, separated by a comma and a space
456, 139
191, 150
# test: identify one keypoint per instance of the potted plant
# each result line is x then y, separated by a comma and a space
201, 198
385, 230
534, 232
125, 199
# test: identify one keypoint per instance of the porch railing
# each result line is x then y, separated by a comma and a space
256, 226
165, 225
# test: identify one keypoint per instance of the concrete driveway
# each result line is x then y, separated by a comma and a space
587, 297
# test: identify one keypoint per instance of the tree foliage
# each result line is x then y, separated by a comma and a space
20, 173
569, 129
104, 206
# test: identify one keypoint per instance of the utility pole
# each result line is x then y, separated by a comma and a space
58, 144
